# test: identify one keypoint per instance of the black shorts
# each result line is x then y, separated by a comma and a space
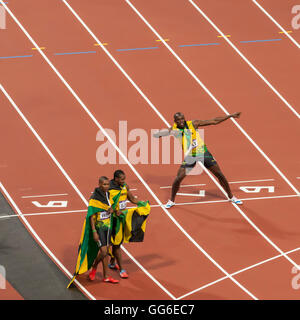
207, 159
104, 236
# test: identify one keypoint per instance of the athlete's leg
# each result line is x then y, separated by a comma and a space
215, 169
176, 184
116, 250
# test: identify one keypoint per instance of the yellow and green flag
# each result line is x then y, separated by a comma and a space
88, 248
130, 225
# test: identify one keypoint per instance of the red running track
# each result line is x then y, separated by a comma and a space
68, 131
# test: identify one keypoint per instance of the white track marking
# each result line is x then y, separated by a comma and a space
192, 74
152, 206
139, 177
222, 201
213, 97
246, 60
184, 186
72, 183
113, 143
45, 195
232, 182
44, 213
236, 273
204, 184
119, 151
42, 244
99, 43
191, 194
235, 122
277, 24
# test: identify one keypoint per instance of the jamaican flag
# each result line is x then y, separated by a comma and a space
130, 225
88, 248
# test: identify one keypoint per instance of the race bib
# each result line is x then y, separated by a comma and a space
194, 143
122, 205
104, 215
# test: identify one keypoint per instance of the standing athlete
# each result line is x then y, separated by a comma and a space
195, 150
116, 185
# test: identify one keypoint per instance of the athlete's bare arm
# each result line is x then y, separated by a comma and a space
162, 133
131, 197
217, 120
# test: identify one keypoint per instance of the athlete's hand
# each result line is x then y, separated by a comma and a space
118, 213
110, 210
236, 115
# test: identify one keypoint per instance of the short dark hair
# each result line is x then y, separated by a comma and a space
103, 178
177, 114
118, 173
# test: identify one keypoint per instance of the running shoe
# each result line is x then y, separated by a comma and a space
110, 279
92, 274
236, 200
170, 204
123, 274
114, 266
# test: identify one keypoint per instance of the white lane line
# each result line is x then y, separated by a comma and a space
70, 180
277, 24
184, 186
213, 98
152, 206
240, 128
45, 195
44, 213
236, 273
42, 244
125, 159
203, 184
246, 60
252, 181
201, 194
222, 201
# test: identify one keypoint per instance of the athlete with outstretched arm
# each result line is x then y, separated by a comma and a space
195, 150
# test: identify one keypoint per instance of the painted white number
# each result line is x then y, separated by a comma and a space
2, 18
256, 189
296, 278
296, 19
51, 204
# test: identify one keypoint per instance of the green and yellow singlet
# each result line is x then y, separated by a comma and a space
114, 190
192, 143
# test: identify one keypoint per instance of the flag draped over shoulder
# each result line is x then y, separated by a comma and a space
88, 248
130, 226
